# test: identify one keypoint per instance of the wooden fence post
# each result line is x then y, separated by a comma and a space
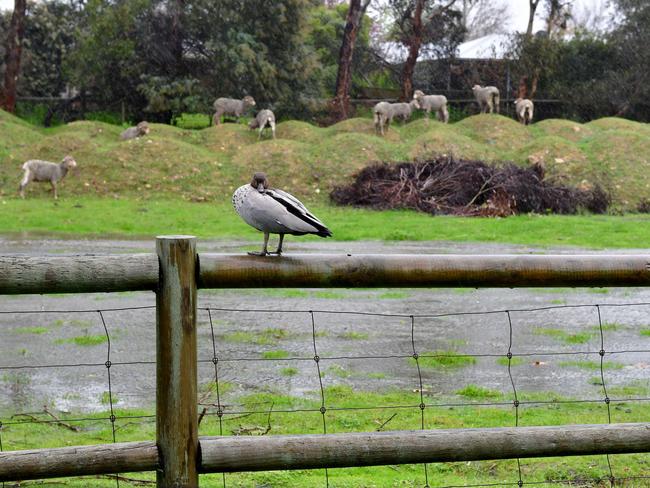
176, 363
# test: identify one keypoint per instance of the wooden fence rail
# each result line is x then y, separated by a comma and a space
85, 274
176, 271
267, 453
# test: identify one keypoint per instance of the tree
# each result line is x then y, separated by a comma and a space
628, 85
483, 17
532, 9
427, 24
341, 101
13, 53
537, 53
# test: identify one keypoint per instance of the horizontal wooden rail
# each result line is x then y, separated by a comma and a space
120, 457
78, 273
225, 454
110, 273
231, 454
445, 270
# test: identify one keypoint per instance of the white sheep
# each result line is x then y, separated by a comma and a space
230, 106
524, 110
384, 113
487, 97
132, 132
262, 119
37, 170
436, 103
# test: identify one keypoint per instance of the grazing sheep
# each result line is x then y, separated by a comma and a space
524, 110
385, 112
487, 98
230, 106
262, 119
132, 132
437, 103
37, 170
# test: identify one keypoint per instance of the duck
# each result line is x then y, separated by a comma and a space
274, 211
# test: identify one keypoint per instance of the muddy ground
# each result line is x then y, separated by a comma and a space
273, 351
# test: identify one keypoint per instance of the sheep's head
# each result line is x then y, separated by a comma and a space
253, 124
143, 128
69, 162
248, 101
418, 94
476, 87
259, 182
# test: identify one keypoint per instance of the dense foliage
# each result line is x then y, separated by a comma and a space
156, 59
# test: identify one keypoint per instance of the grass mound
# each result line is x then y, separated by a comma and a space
444, 140
298, 131
565, 129
562, 159
495, 131
208, 163
460, 187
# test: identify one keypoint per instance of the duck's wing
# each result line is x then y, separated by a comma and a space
296, 208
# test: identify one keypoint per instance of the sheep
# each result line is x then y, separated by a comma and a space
37, 170
230, 106
132, 132
487, 98
385, 112
262, 119
524, 110
437, 103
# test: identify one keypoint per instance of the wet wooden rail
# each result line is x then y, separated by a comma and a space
279, 452
112, 273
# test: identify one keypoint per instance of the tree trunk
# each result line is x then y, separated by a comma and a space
341, 101
414, 43
522, 90
531, 16
177, 35
12, 56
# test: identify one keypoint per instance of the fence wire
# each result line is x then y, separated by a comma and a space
311, 321
316, 325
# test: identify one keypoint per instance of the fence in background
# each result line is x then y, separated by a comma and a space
176, 272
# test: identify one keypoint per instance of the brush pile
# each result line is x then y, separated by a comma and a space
472, 188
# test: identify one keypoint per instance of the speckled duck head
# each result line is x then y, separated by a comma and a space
259, 182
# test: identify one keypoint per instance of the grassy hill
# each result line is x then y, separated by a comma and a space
208, 164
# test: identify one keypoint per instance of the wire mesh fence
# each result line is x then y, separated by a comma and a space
265, 371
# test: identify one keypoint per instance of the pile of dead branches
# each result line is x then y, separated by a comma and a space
459, 187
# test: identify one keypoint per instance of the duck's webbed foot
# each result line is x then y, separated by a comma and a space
264, 251
278, 251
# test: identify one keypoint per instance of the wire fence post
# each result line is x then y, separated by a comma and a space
176, 370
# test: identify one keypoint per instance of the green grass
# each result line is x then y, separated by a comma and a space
443, 359
279, 354
478, 392
591, 364
31, 330
578, 338
84, 340
289, 371
269, 336
645, 332
351, 411
514, 361
354, 336
106, 217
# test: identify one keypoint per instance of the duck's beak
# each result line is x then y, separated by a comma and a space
260, 188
